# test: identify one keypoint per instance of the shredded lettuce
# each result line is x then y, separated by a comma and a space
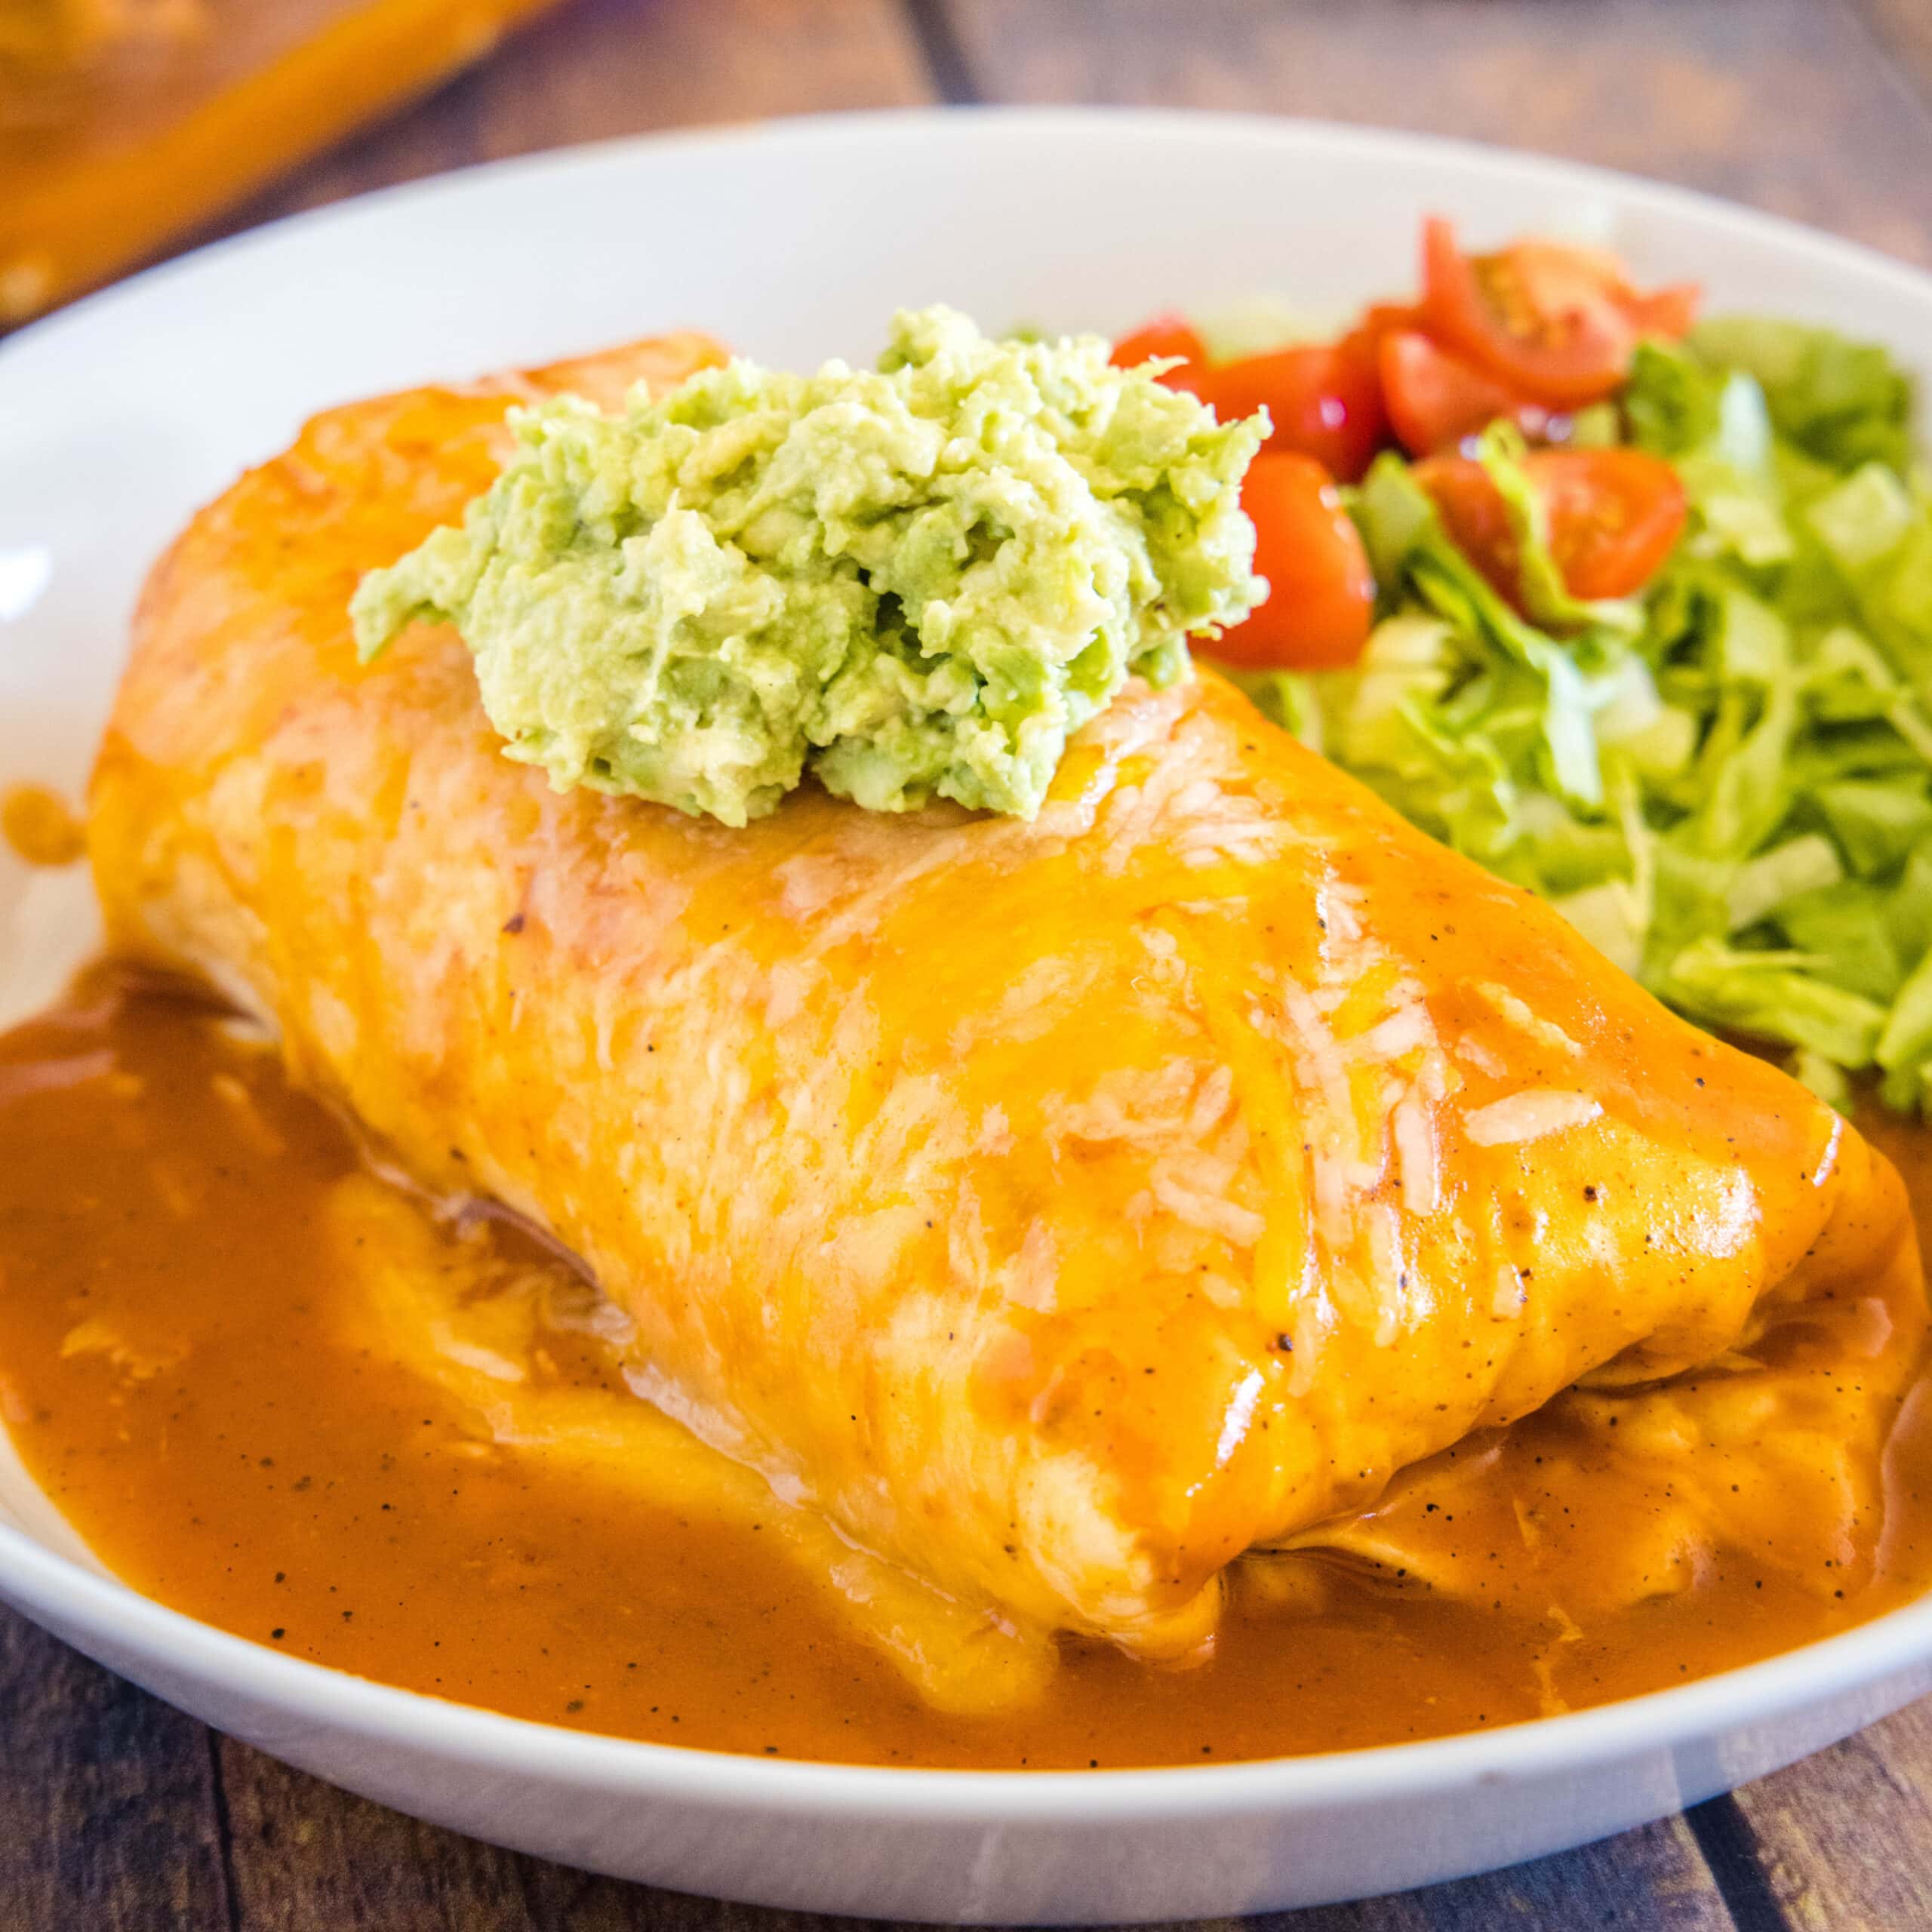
1840, 401
1726, 785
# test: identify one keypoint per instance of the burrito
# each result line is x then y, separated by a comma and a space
1059, 1207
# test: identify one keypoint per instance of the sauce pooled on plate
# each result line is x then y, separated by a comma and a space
279, 1392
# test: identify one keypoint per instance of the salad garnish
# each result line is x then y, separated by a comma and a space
1645, 625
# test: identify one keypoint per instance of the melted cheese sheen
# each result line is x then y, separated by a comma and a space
1062, 1208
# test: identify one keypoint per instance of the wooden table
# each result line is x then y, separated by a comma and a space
116, 1812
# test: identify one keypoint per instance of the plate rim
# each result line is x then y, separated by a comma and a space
886, 124
121, 1619
1866, 1657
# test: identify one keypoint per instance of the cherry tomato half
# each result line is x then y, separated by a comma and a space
1324, 398
1165, 335
1435, 399
1614, 517
1322, 592
1474, 514
1381, 318
1559, 278
1560, 339
1669, 313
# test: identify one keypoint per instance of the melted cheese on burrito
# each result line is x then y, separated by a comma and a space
1062, 1208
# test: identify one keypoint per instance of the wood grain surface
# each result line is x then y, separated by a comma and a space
116, 1812
1802, 107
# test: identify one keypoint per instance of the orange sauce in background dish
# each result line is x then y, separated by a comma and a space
123, 121
185, 1371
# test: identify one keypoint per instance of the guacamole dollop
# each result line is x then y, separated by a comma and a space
914, 581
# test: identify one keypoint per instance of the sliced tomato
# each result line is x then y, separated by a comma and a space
1473, 512
1571, 347
1669, 312
1556, 278
1165, 335
1381, 318
1435, 399
1613, 515
1322, 592
1324, 398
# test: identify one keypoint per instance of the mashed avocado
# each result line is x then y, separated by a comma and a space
915, 581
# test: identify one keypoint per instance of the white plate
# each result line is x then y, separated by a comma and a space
795, 242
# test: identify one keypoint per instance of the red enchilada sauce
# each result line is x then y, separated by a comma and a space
176, 1373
